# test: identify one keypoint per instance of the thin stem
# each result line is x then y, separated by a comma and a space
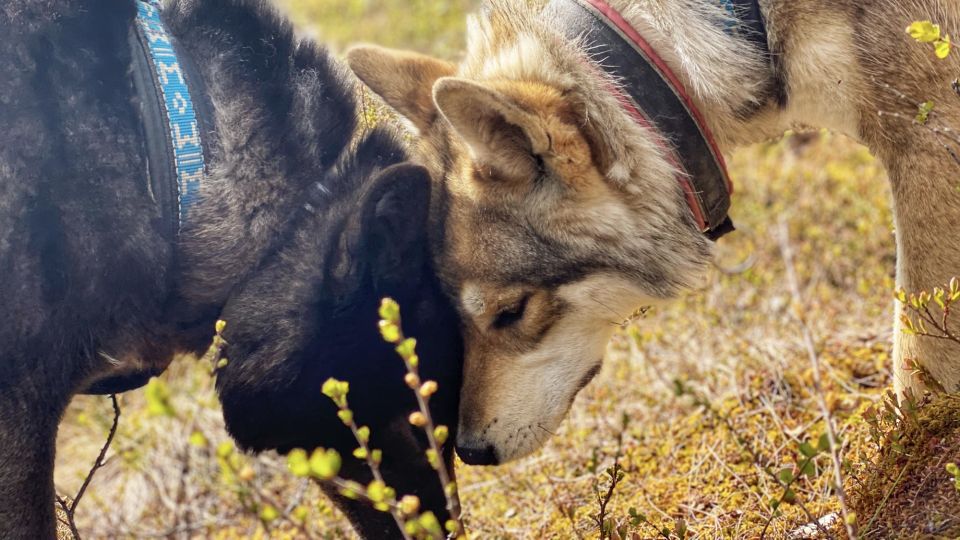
71, 509
375, 470
814, 358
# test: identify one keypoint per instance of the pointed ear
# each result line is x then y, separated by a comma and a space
403, 79
394, 223
501, 133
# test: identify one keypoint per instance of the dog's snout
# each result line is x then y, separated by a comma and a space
485, 455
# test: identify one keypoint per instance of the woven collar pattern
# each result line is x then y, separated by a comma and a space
184, 132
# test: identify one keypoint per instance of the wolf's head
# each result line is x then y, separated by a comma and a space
563, 216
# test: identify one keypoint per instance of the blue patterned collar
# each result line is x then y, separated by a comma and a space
174, 144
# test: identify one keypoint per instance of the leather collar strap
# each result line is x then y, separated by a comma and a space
654, 96
172, 125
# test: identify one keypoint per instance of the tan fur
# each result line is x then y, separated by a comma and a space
558, 201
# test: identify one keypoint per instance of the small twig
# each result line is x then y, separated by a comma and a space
814, 358
392, 331
786, 489
70, 510
885, 497
615, 472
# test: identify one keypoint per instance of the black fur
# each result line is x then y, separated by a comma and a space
94, 295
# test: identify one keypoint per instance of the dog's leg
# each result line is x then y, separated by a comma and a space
927, 216
28, 430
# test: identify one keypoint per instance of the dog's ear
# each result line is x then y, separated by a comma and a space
499, 131
394, 223
403, 79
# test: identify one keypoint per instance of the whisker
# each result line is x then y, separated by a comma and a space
539, 425
611, 310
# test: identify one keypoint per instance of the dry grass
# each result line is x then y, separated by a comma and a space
706, 461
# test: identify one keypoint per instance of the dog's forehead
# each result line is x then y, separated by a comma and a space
501, 249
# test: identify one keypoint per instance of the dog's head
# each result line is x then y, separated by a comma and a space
562, 217
310, 313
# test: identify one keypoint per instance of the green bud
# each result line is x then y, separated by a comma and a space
407, 348
325, 464
389, 310
389, 331
433, 459
440, 433
377, 491
268, 513
428, 521
298, 463
409, 504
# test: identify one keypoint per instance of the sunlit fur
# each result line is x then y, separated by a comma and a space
521, 222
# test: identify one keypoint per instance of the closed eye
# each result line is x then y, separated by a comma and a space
511, 315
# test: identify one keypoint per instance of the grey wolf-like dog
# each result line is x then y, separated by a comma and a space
563, 206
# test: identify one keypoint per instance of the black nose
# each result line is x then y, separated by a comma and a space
478, 456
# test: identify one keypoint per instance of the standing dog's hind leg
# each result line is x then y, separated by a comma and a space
28, 430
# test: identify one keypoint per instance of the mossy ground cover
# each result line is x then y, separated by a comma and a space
708, 461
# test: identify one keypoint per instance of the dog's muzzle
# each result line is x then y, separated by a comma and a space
486, 455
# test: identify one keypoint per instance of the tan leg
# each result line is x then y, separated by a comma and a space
927, 215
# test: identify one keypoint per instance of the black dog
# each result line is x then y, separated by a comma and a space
293, 239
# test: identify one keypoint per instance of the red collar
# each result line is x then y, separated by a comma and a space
652, 94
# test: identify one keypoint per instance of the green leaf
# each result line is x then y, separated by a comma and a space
924, 31
786, 475
942, 47
823, 444
808, 450
923, 115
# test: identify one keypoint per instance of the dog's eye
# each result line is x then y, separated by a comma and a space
512, 314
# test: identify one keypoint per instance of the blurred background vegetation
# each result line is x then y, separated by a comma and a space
705, 462
428, 26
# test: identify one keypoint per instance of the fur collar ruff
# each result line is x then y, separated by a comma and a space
652, 94
172, 124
